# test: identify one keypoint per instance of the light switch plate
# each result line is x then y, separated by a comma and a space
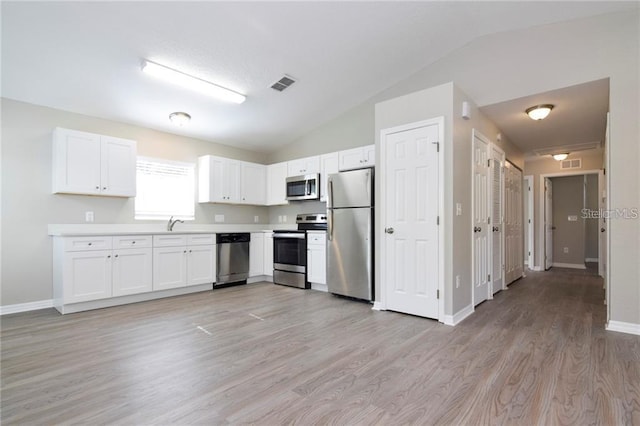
88, 216
256, 219
458, 209
219, 218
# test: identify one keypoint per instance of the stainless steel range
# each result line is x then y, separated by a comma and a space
290, 250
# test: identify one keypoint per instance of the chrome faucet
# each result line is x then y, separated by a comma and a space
172, 223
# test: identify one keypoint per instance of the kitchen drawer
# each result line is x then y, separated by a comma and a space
87, 243
201, 239
132, 241
314, 239
169, 240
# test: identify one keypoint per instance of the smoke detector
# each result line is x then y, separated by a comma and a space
283, 83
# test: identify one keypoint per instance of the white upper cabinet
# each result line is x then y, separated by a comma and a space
218, 180
328, 165
253, 180
222, 180
91, 164
276, 184
303, 166
358, 158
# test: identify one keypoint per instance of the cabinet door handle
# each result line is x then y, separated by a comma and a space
189, 251
109, 257
89, 244
116, 255
104, 188
185, 251
133, 242
97, 186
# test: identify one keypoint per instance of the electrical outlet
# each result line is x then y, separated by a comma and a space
566, 250
219, 218
88, 216
284, 218
457, 281
279, 218
256, 219
458, 209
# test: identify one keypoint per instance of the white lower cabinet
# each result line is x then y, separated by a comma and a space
94, 268
183, 260
87, 275
201, 264
261, 254
169, 267
256, 254
317, 258
131, 271
268, 254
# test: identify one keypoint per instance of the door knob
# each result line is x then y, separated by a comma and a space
601, 229
389, 230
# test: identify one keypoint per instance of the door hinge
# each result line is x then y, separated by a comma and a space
437, 294
489, 277
437, 220
437, 144
488, 163
489, 220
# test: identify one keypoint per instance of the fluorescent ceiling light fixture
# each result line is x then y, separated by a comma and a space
179, 118
193, 83
560, 157
539, 112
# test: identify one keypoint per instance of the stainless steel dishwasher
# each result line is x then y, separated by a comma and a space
232, 259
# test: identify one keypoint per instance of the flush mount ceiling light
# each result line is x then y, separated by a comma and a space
193, 83
539, 112
560, 157
179, 118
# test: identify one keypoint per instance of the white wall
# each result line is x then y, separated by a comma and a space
29, 206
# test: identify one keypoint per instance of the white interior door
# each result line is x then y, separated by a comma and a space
411, 204
480, 195
496, 219
528, 220
514, 247
602, 222
548, 223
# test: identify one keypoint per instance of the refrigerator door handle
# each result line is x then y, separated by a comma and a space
330, 209
330, 225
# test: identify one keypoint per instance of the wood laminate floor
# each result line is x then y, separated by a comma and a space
265, 354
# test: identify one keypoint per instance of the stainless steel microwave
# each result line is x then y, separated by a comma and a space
305, 187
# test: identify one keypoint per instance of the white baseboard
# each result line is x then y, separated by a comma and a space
569, 265
536, 268
458, 316
592, 259
25, 307
377, 306
623, 327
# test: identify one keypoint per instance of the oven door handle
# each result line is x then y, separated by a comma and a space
289, 235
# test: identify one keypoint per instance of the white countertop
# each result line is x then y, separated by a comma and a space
81, 229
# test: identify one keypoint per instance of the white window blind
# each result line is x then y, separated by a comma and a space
164, 189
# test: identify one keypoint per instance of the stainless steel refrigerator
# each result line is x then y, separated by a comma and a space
350, 213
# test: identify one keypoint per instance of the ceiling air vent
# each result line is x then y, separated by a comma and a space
283, 83
575, 163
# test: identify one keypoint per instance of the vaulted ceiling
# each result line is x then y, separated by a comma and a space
86, 57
